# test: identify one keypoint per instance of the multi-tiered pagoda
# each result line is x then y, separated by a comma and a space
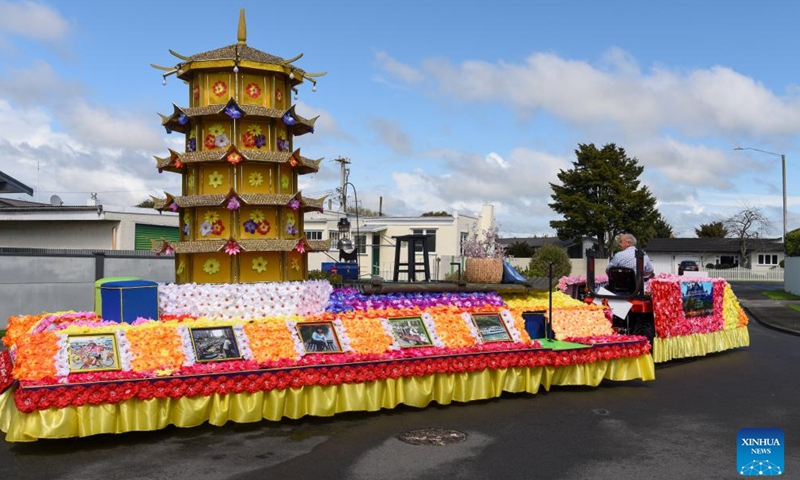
241, 213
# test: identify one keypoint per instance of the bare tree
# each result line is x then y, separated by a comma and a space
747, 224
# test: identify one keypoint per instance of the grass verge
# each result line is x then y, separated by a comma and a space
794, 307
780, 295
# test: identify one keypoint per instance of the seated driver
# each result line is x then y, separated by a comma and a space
626, 257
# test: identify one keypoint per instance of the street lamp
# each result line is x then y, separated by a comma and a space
783, 167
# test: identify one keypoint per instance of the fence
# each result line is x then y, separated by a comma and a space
33, 281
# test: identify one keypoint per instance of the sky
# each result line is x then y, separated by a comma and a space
439, 106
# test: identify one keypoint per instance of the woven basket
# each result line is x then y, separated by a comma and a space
484, 270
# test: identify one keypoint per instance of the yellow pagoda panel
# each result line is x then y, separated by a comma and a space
258, 178
219, 88
196, 90
213, 223
214, 178
255, 90
287, 179
282, 139
296, 266
280, 94
186, 222
211, 268
257, 222
216, 135
255, 135
182, 268
291, 224
190, 180
260, 267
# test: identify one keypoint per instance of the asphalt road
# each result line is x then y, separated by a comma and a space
683, 425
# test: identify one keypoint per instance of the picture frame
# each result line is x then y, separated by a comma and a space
491, 327
410, 332
319, 337
214, 344
92, 353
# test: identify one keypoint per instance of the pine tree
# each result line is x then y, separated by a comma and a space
601, 196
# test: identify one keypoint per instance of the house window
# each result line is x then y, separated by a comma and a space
314, 234
464, 237
431, 233
334, 240
361, 244
766, 259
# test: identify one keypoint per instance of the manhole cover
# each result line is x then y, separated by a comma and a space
432, 436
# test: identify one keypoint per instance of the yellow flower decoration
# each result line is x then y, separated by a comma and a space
285, 181
254, 129
215, 179
255, 179
211, 216
257, 216
181, 267
190, 181
187, 218
295, 264
216, 129
259, 264
211, 266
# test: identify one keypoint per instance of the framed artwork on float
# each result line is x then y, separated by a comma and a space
410, 332
214, 344
92, 353
319, 337
491, 327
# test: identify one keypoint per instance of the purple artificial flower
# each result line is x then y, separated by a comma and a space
182, 118
173, 206
288, 119
250, 226
192, 146
294, 204
261, 140
233, 112
233, 204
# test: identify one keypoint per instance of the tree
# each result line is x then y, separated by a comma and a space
547, 254
436, 214
601, 196
712, 230
792, 243
520, 250
149, 203
362, 211
749, 223
660, 229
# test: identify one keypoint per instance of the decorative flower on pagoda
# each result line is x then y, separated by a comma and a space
205, 229
278, 95
169, 250
283, 144
232, 248
173, 206
233, 111
215, 179
234, 158
288, 119
300, 246
211, 266
181, 267
296, 264
294, 204
191, 144
253, 90
196, 92
291, 224
220, 88
255, 179
263, 227
259, 264
217, 227
285, 182
250, 226
211, 216
210, 142
233, 203
182, 118
221, 141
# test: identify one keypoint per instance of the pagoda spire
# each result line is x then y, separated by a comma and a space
242, 32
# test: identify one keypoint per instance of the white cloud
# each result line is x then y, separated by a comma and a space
391, 134
112, 129
399, 70
32, 20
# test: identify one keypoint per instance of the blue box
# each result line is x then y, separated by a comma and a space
347, 270
535, 325
128, 300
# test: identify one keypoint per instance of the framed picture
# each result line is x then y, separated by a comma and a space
491, 327
410, 332
92, 353
319, 337
214, 344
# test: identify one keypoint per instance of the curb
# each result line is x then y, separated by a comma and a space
768, 325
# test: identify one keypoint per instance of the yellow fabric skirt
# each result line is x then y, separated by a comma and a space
666, 349
322, 401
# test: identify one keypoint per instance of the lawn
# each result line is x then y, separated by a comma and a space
780, 295
794, 307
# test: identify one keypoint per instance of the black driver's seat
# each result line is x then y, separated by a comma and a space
622, 280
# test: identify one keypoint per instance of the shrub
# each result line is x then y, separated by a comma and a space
547, 254
710, 266
792, 243
332, 278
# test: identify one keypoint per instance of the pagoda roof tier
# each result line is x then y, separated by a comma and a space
178, 121
271, 199
257, 245
174, 163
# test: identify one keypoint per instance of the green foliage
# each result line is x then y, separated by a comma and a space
780, 295
149, 203
520, 250
792, 243
711, 230
660, 229
436, 214
363, 212
544, 256
333, 278
601, 196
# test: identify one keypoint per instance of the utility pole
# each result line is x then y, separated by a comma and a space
345, 173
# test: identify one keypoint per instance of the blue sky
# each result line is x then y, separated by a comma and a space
442, 105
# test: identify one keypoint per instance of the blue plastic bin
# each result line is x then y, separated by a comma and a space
534, 325
128, 300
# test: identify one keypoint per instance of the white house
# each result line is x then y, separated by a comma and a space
761, 254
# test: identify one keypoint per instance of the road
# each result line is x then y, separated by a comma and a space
683, 425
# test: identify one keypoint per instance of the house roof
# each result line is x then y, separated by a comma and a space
711, 245
12, 202
537, 241
10, 185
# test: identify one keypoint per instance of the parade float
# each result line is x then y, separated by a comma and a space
243, 335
